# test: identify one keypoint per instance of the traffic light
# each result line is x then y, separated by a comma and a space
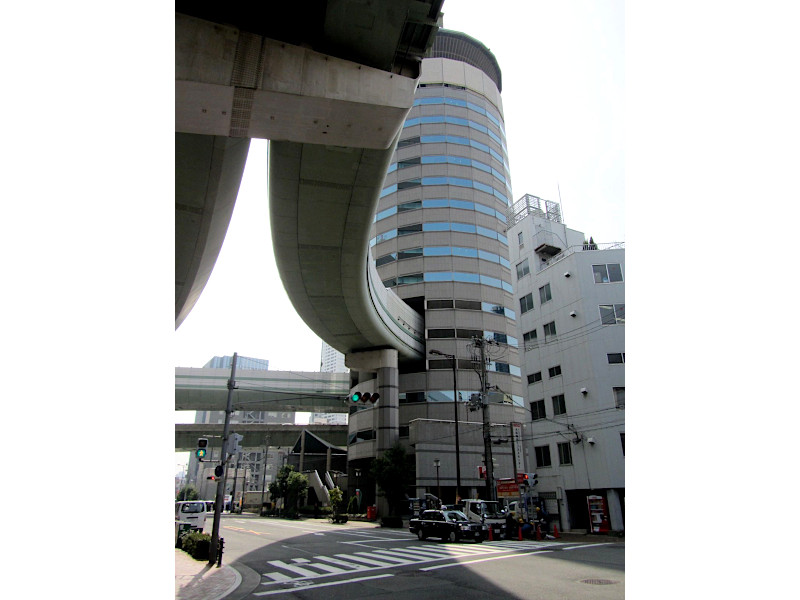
212, 477
364, 397
523, 479
202, 449
533, 479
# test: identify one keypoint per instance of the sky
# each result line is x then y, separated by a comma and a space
563, 82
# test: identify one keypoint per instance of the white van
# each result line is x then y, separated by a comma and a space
192, 512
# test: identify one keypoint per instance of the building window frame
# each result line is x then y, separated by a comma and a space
550, 331
538, 410
545, 295
523, 269
619, 358
534, 377
543, 456
554, 371
612, 314
559, 405
619, 397
526, 303
602, 274
564, 453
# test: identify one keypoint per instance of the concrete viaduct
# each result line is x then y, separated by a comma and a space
330, 84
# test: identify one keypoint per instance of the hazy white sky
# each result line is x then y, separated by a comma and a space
563, 81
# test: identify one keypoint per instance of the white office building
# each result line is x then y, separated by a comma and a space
571, 317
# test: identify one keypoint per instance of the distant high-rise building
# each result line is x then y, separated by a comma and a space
242, 363
332, 360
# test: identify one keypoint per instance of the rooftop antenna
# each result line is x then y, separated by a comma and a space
561, 203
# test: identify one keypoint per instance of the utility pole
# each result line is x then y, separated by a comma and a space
264, 467
487, 436
220, 498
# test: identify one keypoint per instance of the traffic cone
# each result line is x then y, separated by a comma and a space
538, 532
555, 532
491, 539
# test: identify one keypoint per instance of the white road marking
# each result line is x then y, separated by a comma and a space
318, 585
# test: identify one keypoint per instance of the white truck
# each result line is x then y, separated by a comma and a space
487, 512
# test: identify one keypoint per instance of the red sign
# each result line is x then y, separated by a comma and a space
507, 489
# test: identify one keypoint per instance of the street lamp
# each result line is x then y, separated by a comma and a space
437, 463
455, 411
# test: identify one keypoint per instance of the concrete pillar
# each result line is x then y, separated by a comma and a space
387, 410
615, 510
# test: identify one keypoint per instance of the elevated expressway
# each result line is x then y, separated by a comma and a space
329, 84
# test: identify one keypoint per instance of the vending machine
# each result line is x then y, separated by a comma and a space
598, 514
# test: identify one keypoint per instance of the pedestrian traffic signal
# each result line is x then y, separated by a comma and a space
202, 449
211, 477
533, 479
523, 479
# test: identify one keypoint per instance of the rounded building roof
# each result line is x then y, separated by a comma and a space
459, 46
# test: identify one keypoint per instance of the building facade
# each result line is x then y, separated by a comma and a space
331, 360
439, 241
242, 363
571, 316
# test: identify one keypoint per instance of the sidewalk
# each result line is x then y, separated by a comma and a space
196, 580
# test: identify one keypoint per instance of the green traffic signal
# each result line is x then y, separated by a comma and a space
201, 453
356, 397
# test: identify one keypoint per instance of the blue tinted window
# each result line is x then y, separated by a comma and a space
462, 227
386, 213
436, 251
436, 227
438, 203
462, 204
466, 277
439, 276
467, 252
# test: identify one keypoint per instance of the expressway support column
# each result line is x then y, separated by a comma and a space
386, 412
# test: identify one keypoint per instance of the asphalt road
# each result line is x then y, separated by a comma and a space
314, 559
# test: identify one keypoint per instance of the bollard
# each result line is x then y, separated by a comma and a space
538, 532
221, 545
491, 539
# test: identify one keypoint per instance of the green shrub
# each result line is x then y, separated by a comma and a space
197, 544
352, 506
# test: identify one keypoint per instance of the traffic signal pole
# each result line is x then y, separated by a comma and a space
220, 498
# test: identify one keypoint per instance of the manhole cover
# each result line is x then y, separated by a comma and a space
599, 581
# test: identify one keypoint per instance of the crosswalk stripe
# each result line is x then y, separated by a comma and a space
275, 576
347, 564
388, 555
415, 554
369, 561
293, 568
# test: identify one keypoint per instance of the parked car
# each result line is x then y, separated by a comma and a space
448, 525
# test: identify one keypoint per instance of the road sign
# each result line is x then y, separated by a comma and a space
507, 489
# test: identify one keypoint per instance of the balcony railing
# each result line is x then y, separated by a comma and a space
586, 247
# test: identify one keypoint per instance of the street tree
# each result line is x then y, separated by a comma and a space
394, 474
187, 492
296, 486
